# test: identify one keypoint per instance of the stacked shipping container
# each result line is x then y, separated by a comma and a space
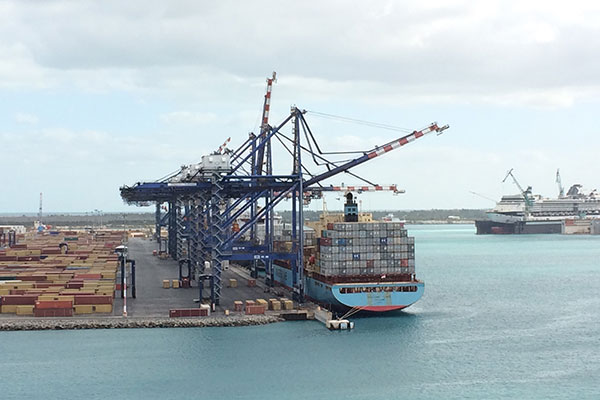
38, 278
365, 248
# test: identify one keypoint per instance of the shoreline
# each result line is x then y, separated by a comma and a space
36, 324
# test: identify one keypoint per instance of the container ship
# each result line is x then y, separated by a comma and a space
357, 263
531, 213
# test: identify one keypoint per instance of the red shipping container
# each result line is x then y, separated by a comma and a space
254, 310
19, 300
53, 304
249, 303
85, 299
404, 262
188, 312
53, 312
33, 278
28, 258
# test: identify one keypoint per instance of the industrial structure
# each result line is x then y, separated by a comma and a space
204, 201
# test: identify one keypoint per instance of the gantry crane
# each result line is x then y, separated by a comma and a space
207, 199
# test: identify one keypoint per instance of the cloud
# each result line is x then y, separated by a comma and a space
436, 52
26, 118
188, 117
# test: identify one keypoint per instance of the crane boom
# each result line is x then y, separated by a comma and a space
264, 124
524, 193
377, 152
359, 189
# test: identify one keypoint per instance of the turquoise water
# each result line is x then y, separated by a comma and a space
513, 317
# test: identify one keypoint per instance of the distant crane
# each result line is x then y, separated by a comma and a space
561, 189
524, 193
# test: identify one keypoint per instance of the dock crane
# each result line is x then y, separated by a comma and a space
524, 193
204, 205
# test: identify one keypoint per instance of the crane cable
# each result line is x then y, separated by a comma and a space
360, 122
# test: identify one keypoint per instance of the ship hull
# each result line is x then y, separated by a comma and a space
367, 296
485, 227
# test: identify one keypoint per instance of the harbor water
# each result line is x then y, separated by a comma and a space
503, 317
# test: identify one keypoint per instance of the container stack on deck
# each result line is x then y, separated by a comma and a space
354, 249
38, 278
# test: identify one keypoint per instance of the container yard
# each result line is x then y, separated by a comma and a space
59, 274
77, 275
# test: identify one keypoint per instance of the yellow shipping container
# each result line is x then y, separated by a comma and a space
166, 284
84, 309
103, 308
288, 305
261, 302
23, 285
9, 309
274, 304
175, 284
25, 310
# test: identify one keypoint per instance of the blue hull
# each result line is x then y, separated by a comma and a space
378, 297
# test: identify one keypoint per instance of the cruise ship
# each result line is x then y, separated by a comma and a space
532, 213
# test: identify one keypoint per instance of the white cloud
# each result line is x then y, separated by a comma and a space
188, 117
190, 65
26, 118
441, 52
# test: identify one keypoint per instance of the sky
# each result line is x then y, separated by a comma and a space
96, 95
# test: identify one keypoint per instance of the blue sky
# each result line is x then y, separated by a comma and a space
94, 95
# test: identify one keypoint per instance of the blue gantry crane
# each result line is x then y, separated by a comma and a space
207, 200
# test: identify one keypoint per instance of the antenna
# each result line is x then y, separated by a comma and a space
40, 211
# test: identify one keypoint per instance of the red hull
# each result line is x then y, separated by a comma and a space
382, 308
